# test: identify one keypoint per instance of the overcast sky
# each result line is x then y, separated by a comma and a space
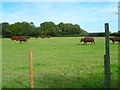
91, 16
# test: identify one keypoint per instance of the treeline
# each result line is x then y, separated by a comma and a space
102, 34
45, 28
117, 34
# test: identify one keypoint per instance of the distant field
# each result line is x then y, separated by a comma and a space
58, 62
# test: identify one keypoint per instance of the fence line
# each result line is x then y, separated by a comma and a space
41, 78
40, 75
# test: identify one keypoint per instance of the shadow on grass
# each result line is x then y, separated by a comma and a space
62, 81
47, 79
85, 44
20, 43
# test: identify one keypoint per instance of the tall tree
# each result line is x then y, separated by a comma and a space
2, 28
49, 28
70, 29
20, 29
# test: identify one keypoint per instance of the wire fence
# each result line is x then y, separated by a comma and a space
54, 71
19, 73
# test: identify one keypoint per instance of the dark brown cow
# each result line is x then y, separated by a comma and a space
22, 39
117, 39
43, 36
28, 37
14, 37
36, 37
48, 36
85, 40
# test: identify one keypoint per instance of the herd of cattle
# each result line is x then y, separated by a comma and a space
85, 40
24, 39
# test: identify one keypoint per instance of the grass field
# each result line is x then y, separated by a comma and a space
58, 62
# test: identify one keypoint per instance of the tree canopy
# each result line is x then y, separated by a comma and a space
45, 28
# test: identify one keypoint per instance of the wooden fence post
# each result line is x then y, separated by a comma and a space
107, 58
31, 70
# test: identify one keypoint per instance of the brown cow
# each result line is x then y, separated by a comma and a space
43, 36
48, 36
36, 37
14, 37
28, 37
85, 40
22, 39
117, 39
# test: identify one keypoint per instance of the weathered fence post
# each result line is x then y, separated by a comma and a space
107, 58
31, 70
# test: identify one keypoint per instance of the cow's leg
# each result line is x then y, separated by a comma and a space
113, 41
20, 41
85, 42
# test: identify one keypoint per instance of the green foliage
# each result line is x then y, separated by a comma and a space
18, 29
2, 27
70, 29
115, 34
46, 28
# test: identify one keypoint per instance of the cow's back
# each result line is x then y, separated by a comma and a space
115, 38
14, 37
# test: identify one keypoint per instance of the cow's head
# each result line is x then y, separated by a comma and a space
111, 39
81, 40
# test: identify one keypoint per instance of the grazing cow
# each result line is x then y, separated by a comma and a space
43, 36
28, 37
48, 36
85, 40
14, 37
117, 39
22, 39
36, 37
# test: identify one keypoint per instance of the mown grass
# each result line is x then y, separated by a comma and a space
58, 62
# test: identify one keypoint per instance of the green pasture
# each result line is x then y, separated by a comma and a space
58, 62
